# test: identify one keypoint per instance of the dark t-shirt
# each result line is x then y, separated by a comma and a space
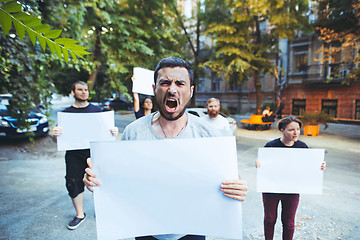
88, 109
138, 114
278, 143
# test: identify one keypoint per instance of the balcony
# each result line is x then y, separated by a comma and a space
318, 73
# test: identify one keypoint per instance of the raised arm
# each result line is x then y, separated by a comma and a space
136, 99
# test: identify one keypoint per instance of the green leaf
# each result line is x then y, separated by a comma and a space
42, 28
32, 22
12, 7
53, 34
73, 56
66, 54
20, 29
58, 50
51, 46
5, 21
81, 52
76, 47
22, 16
42, 41
32, 35
66, 41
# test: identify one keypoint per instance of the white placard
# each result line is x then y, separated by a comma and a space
79, 129
144, 81
290, 170
165, 187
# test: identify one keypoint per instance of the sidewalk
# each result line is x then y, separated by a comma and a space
35, 205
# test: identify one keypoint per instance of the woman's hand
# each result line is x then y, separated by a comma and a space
89, 179
235, 189
257, 163
323, 166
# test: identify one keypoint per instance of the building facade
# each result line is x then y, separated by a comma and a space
309, 81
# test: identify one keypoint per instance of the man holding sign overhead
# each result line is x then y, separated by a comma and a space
75, 160
173, 90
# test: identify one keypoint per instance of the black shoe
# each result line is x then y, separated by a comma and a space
75, 222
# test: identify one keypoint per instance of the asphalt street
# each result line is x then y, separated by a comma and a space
34, 203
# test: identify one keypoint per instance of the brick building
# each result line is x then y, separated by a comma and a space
339, 101
306, 84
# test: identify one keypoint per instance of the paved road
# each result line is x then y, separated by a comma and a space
34, 203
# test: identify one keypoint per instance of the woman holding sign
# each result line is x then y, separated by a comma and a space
146, 105
290, 128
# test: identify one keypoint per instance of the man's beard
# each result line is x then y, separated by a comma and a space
79, 99
213, 114
164, 114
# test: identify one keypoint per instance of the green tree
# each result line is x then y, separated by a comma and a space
121, 35
24, 39
11, 13
338, 27
242, 49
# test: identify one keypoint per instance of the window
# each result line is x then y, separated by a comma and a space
201, 85
335, 65
357, 109
298, 107
215, 83
329, 106
301, 58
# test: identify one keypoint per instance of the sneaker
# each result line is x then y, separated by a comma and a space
76, 222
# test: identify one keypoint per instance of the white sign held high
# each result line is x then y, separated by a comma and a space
143, 81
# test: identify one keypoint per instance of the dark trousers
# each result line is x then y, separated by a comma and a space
186, 237
289, 204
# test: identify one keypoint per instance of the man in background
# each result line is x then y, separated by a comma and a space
75, 160
213, 118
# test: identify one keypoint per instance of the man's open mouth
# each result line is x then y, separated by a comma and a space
171, 105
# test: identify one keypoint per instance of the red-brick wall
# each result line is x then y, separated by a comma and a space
345, 94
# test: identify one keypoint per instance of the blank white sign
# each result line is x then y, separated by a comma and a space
290, 170
144, 81
167, 186
79, 129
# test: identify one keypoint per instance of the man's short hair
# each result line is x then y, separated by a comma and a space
213, 100
173, 62
287, 120
75, 83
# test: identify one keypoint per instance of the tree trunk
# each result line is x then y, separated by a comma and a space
97, 58
196, 59
257, 73
258, 92
193, 49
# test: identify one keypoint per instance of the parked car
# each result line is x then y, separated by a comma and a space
116, 104
203, 111
9, 128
